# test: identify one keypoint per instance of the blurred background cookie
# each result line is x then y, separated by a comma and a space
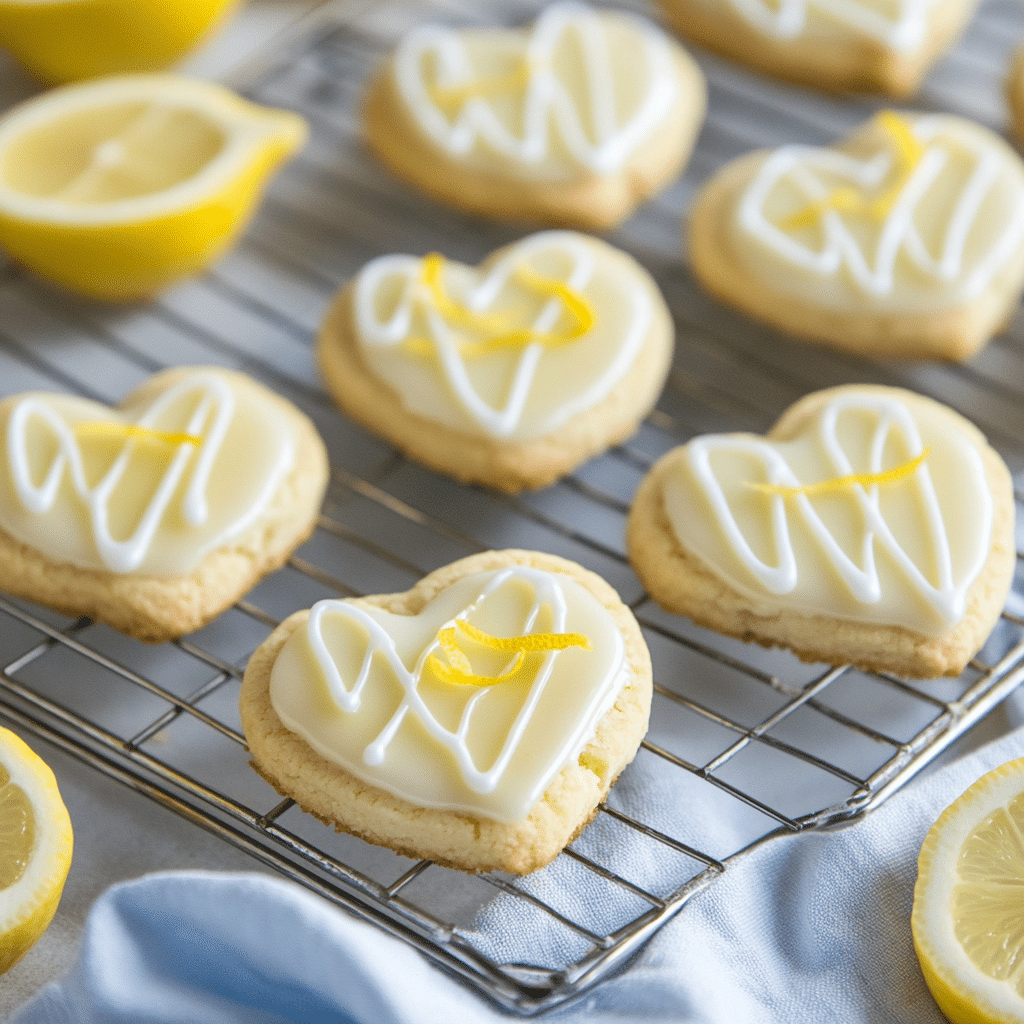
904, 240
572, 121
836, 45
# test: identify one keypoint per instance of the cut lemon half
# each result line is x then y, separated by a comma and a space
35, 848
67, 40
968, 917
119, 186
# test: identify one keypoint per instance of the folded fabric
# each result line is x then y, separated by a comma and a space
803, 929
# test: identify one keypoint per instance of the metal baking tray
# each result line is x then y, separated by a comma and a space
745, 745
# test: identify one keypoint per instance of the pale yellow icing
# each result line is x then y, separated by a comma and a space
901, 548
355, 683
149, 488
578, 90
898, 25
575, 337
915, 213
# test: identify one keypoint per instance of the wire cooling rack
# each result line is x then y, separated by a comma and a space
745, 744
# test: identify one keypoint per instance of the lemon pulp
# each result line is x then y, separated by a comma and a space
17, 830
988, 899
102, 156
36, 844
118, 187
968, 914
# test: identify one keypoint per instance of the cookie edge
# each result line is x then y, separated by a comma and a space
155, 609
455, 839
680, 583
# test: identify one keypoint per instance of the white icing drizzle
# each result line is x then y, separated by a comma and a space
875, 273
548, 592
547, 100
947, 597
505, 420
904, 31
210, 420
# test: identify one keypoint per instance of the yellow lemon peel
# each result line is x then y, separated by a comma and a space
69, 40
838, 483
519, 78
116, 431
503, 332
846, 200
459, 671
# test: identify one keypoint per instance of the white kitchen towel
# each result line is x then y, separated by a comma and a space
807, 928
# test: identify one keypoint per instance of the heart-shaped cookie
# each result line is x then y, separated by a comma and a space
838, 45
510, 374
477, 720
572, 121
904, 240
154, 516
872, 526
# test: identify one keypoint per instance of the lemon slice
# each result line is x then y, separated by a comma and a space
35, 848
968, 917
66, 40
119, 186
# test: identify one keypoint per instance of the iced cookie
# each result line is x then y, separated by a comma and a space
906, 240
509, 374
836, 45
572, 121
871, 526
477, 720
155, 516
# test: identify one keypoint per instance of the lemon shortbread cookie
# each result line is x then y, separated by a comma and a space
836, 45
477, 720
509, 374
871, 526
155, 516
906, 240
572, 121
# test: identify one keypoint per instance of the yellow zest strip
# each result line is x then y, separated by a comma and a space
528, 642
503, 333
459, 672
449, 95
845, 200
110, 429
838, 483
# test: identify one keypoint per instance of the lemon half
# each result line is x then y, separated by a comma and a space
66, 40
35, 848
968, 917
119, 186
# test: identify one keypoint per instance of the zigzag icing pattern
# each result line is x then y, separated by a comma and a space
601, 140
905, 30
962, 266
181, 492
408, 742
953, 533
520, 400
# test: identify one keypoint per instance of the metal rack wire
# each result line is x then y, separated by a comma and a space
745, 744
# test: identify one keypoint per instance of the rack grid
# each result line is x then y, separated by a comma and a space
746, 744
